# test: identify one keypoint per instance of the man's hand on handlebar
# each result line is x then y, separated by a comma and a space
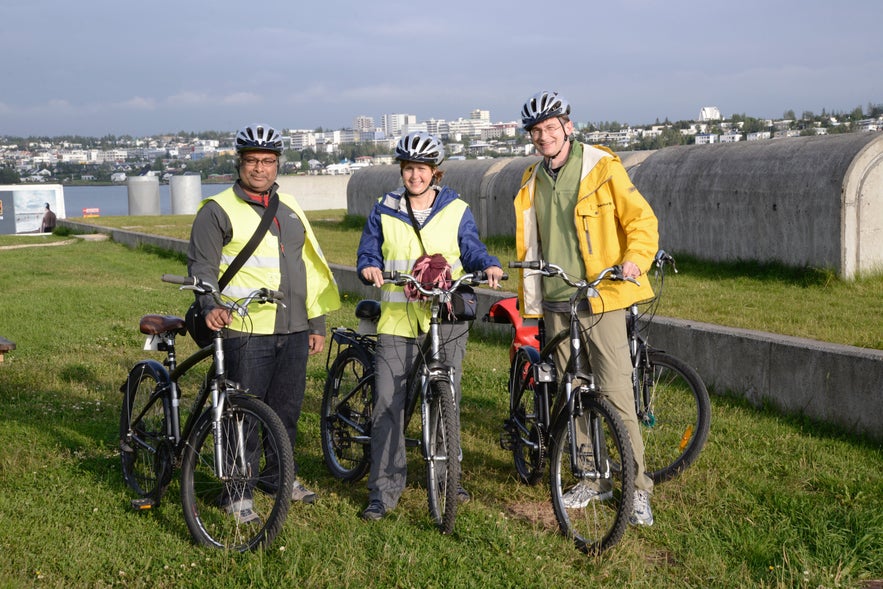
630, 270
218, 318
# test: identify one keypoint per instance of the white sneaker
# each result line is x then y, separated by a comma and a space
642, 515
301, 493
242, 511
581, 494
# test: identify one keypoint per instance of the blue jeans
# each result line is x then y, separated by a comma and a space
273, 368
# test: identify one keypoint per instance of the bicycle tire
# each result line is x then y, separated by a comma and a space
676, 423
526, 434
442, 456
347, 403
145, 455
606, 466
247, 424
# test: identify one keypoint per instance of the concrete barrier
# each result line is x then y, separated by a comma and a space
804, 201
316, 193
829, 383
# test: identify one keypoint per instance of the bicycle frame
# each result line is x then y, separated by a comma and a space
214, 387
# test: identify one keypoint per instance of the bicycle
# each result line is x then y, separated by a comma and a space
589, 446
348, 400
235, 459
671, 400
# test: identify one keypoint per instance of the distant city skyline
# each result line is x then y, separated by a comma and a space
106, 67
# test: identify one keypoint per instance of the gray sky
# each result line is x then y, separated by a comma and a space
98, 67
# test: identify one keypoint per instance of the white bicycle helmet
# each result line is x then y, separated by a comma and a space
543, 105
420, 147
257, 136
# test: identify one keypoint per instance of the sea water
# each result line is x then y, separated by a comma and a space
113, 201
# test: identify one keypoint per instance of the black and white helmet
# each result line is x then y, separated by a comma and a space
543, 105
420, 147
257, 136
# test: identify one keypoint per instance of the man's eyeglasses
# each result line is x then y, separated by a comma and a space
551, 129
253, 161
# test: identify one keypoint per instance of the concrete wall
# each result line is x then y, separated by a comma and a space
316, 192
830, 383
807, 201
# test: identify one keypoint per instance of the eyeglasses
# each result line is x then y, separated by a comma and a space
550, 129
253, 161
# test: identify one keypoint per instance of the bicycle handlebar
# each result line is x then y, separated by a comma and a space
547, 269
261, 295
403, 278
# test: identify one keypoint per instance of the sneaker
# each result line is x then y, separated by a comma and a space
242, 512
581, 494
642, 515
462, 495
376, 510
301, 493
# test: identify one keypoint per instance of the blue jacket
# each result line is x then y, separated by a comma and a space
473, 253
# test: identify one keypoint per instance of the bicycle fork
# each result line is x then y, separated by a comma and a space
588, 456
430, 375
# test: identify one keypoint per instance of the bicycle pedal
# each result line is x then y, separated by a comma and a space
143, 504
506, 441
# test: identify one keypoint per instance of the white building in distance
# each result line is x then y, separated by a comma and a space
710, 113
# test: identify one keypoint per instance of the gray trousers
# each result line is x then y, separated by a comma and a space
394, 358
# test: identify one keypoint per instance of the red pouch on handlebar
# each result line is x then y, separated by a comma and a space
430, 270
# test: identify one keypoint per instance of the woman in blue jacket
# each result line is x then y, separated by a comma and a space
419, 218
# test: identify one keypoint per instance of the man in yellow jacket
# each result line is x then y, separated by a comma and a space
579, 210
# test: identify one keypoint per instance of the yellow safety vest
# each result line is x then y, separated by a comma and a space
400, 250
261, 269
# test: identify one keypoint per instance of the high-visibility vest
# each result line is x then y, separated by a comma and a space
400, 250
262, 268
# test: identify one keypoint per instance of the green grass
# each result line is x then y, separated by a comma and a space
771, 502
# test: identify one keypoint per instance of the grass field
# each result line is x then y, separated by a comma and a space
772, 502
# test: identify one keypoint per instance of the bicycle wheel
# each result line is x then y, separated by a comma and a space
525, 432
246, 507
346, 415
442, 455
592, 492
144, 450
674, 413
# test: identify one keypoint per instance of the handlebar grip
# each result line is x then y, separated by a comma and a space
390, 275
532, 265
276, 295
504, 276
175, 279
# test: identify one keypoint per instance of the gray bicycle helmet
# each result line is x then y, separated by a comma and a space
420, 147
543, 105
257, 136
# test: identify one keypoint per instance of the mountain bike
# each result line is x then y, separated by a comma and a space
348, 400
235, 458
671, 400
592, 467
